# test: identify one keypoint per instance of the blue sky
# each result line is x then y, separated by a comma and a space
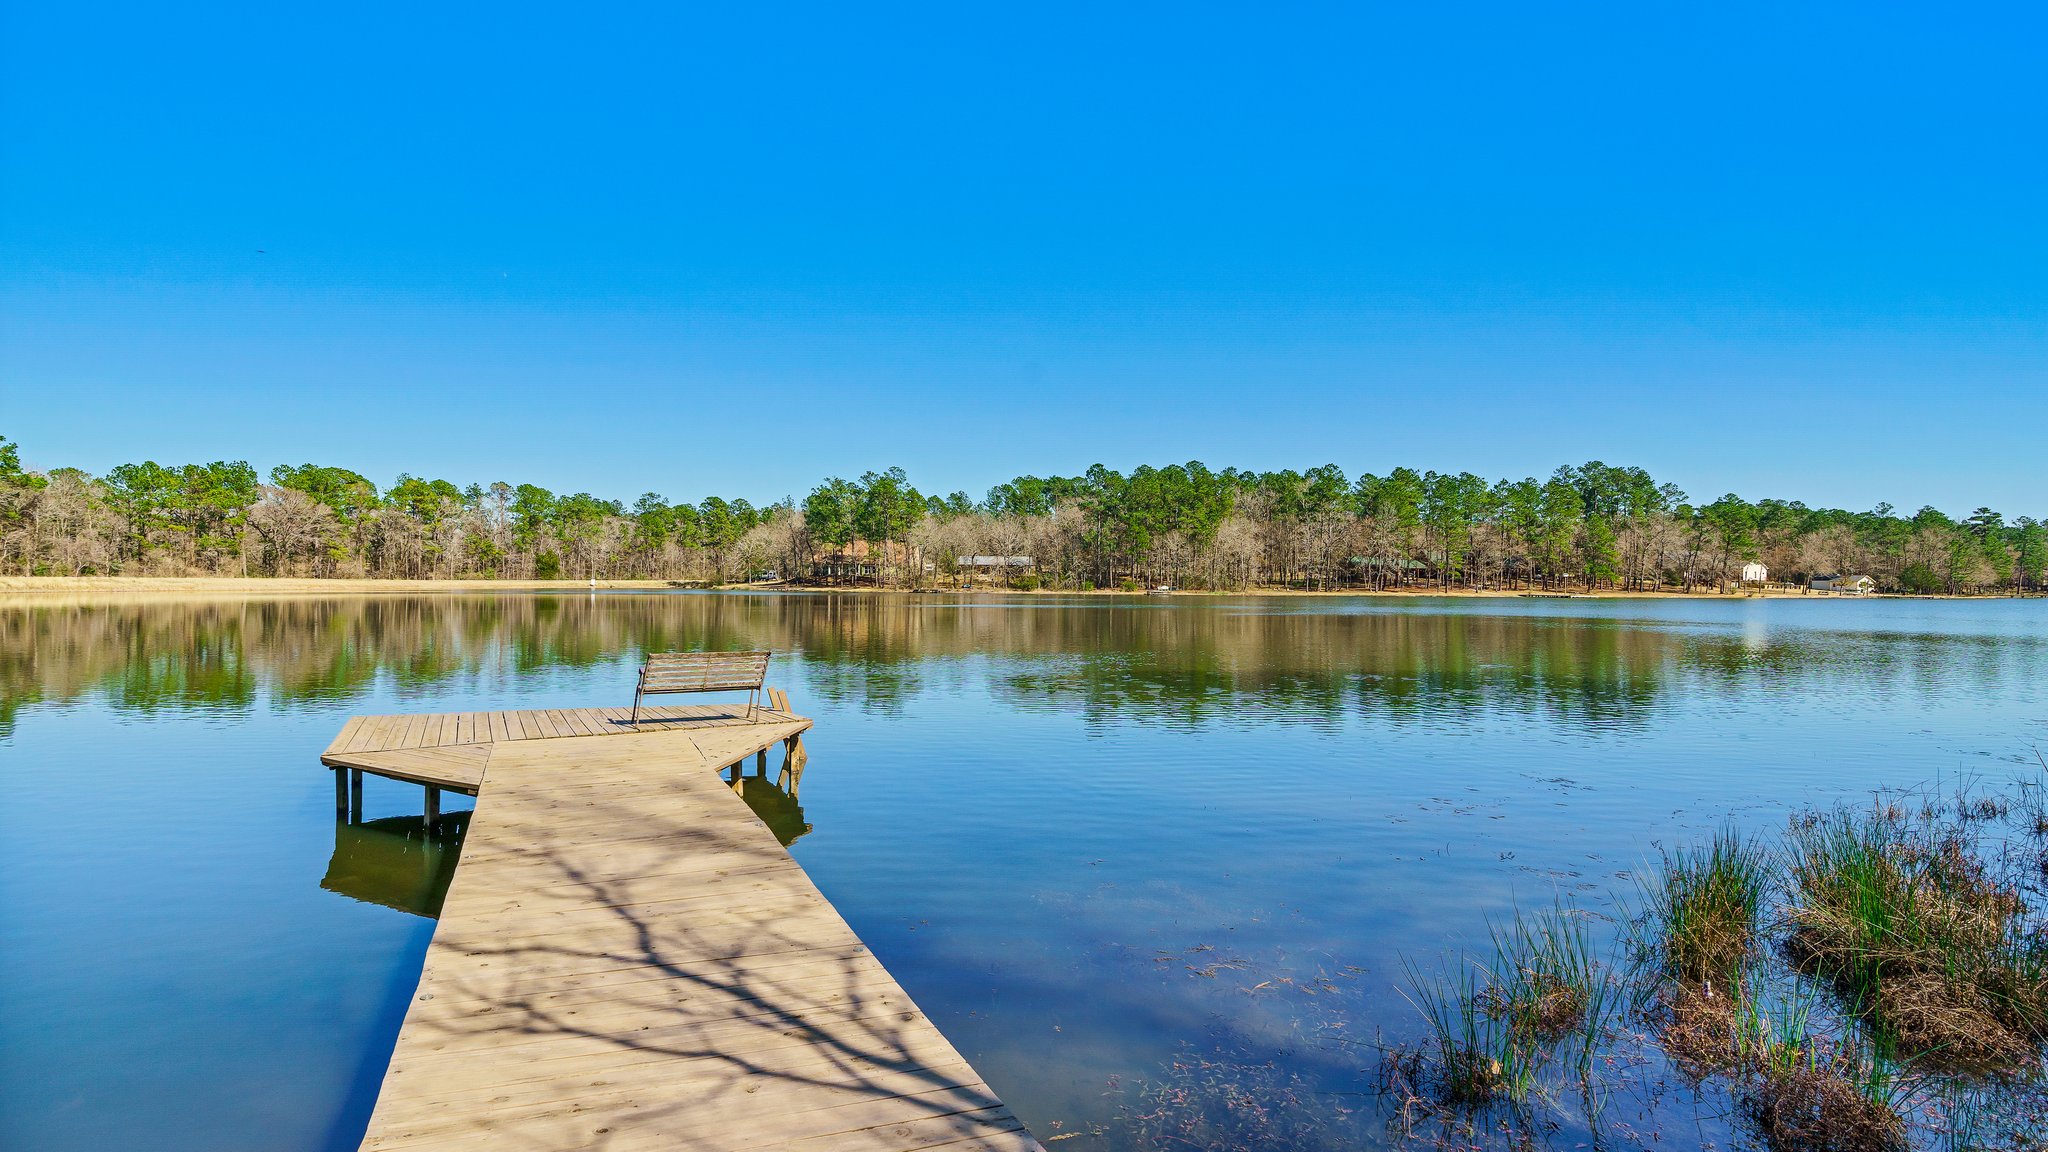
736, 248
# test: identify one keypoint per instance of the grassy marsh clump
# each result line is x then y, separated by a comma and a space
1491, 1028
1808, 1093
1918, 935
1699, 931
1704, 913
1472, 1055
1702, 1027
1546, 978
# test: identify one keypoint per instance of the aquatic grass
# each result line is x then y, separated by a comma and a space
1807, 1092
1804, 1088
1703, 911
1877, 981
1545, 975
1227, 1096
1492, 1027
1698, 931
1474, 1055
1605, 1004
1918, 935
1719, 1028
1825, 1101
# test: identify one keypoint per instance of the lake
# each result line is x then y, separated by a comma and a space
1121, 850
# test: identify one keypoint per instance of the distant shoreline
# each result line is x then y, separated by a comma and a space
141, 586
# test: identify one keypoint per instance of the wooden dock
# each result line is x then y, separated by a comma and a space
627, 958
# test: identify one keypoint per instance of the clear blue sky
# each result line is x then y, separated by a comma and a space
1780, 249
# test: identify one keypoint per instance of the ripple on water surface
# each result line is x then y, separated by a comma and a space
1086, 835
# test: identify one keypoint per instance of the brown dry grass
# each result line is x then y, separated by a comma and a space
1699, 1031
1817, 1105
1538, 1004
1917, 936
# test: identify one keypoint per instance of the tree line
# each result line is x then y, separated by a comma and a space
1588, 526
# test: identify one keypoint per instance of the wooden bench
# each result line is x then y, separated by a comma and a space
702, 672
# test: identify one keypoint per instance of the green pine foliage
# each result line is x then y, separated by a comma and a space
1185, 526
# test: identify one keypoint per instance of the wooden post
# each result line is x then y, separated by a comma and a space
355, 795
761, 763
433, 807
341, 793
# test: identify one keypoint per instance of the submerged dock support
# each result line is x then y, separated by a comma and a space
791, 777
433, 807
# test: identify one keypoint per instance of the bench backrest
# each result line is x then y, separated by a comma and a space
703, 671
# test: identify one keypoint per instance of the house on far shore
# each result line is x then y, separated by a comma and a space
1845, 585
1755, 573
1007, 570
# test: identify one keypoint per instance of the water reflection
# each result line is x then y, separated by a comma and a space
1181, 665
1061, 823
407, 862
399, 861
776, 804
402, 862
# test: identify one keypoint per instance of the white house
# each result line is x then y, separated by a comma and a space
1845, 585
1755, 573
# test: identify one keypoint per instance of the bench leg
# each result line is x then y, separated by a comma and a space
637, 693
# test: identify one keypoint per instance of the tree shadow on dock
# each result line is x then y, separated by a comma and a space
617, 978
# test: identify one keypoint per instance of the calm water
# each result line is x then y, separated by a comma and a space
1088, 836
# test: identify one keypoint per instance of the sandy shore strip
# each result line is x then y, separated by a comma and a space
293, 586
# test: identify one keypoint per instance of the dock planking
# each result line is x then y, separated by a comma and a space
449, 750
628, 959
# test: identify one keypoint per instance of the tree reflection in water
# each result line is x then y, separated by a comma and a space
1179, 663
